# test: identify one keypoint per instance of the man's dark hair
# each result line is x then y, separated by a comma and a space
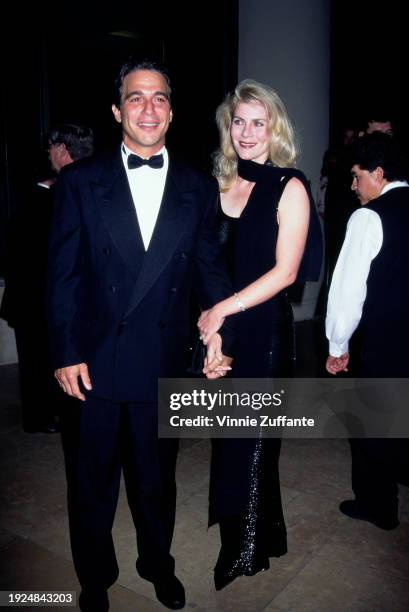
78, 139
379, 150
379, 115
132, 65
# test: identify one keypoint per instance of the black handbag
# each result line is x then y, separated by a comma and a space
199, 351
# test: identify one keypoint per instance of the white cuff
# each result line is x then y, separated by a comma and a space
336, 350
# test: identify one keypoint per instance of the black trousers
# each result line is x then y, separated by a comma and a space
40, 395
378, 464
100, 439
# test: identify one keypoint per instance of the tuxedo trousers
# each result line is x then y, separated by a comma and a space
101, 440
35, 372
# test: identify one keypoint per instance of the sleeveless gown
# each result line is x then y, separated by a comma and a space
244, 486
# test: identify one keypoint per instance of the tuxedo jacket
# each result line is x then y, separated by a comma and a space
123, 310
24, 300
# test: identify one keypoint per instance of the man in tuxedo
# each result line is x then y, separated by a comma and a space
368, 288
132, 234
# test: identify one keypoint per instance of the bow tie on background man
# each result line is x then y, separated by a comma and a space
134, 161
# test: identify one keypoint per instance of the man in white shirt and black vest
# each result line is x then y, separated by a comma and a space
369, 289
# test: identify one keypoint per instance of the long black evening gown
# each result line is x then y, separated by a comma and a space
244, 488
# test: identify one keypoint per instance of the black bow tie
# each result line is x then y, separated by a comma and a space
134, 161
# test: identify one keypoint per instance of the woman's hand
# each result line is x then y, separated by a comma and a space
216, 364
210, 321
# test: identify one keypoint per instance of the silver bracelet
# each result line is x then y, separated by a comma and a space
239, 302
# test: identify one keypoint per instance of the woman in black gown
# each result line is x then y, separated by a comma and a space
263, 228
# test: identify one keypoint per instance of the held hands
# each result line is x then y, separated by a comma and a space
210, 321
337, 364
216, 364
68, 379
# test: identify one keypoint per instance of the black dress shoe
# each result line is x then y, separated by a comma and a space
49, 426
93, 600
170, 592
357, 510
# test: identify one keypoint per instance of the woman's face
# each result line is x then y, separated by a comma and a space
249, 131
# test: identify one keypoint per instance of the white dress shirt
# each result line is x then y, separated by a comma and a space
147, 186
363, 241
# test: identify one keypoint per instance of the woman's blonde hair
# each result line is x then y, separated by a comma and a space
282, 149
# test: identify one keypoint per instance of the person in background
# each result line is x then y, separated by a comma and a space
369, 290
330, 162
338, 202
23, 305
378, 121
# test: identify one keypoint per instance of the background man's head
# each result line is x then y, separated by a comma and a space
68, 142
379, 126
379, 121
376, 160
349, 134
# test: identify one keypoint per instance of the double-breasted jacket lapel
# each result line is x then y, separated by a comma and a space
113, 196
168, 231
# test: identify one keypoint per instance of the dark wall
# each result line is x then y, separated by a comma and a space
369, 63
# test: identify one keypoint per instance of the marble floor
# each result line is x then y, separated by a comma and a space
334, 564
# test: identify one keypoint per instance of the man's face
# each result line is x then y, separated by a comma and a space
144, 112
349, 136
366, 184
380, 126
56, 154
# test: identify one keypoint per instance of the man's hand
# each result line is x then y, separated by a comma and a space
337, 364
216, 364
68, 379
210, 321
